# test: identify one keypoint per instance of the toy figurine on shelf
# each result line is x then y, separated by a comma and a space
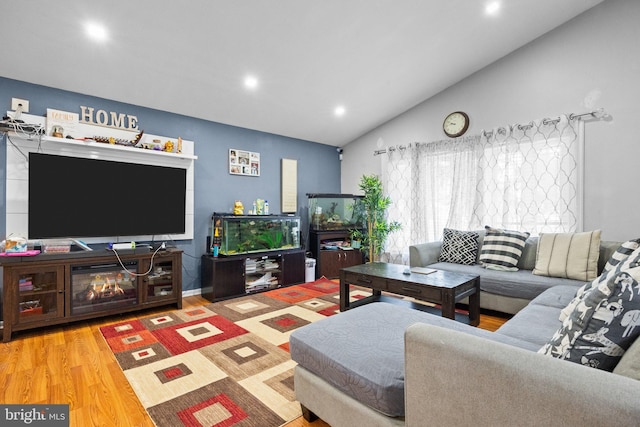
168, 146
137, 139
238, 208
57, 131
259, 207
216, 239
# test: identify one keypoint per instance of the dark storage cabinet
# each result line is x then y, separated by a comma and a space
51, 289
330, 261
222, 277
237, 275
331, 219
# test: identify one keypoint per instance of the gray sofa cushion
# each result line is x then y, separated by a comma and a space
538, 321
361, 351
517, 284
527, 260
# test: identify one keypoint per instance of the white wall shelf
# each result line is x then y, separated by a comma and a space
104, 146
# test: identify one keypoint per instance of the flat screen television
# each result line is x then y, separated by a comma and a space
72, 197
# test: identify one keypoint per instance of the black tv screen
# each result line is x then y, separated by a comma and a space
77, 197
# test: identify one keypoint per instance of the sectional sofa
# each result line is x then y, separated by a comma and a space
504, 291
384, 364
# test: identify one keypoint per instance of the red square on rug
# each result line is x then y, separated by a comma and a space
122, 328
286, 322
323, 285
196, 334
131, 341
217, 411
173, 372
293, 294
330, 311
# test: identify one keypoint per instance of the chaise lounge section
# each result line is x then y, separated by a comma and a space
384, 364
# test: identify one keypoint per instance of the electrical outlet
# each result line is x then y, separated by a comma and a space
17, 101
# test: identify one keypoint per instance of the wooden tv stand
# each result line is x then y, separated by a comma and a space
53, 289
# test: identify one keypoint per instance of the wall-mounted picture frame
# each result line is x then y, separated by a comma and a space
242, 162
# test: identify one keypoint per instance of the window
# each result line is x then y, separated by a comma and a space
524, 177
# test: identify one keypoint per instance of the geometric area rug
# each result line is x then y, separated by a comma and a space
225, 363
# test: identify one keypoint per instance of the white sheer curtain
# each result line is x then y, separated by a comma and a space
522, 177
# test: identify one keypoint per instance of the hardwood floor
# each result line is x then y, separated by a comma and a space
73, 365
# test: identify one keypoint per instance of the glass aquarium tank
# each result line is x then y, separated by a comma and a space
335, 212
241, 234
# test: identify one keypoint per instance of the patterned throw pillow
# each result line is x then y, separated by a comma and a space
502, 249
459, 247
621, 254
605, 323
568, 255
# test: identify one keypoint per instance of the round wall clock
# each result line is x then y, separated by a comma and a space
456, 124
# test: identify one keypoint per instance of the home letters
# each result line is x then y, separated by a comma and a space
109, 119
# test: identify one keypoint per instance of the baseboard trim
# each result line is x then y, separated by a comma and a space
191, 292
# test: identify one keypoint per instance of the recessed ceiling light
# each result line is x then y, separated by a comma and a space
339, 111
492, 8
250, 82
96, 31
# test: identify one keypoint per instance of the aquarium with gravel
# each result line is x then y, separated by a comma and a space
240, 234
334, 211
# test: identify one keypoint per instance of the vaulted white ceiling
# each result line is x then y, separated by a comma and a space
376, 58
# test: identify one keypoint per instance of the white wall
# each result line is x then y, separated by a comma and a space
592, 61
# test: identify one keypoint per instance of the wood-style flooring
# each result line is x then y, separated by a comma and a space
73, 365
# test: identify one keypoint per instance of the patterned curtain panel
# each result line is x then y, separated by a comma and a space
520, 177
530, 176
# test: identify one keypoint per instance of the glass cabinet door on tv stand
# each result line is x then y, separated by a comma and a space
35, 296
160, 284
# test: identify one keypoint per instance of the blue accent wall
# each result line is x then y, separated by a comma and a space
215, 188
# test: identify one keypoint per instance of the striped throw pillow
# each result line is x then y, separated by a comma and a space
568, 255
502, 249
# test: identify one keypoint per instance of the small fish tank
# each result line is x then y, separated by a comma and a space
334, 212
242, 234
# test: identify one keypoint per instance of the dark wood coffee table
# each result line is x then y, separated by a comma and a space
440, 287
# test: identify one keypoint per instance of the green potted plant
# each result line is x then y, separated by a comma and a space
358, 215
356, 236
376, 225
